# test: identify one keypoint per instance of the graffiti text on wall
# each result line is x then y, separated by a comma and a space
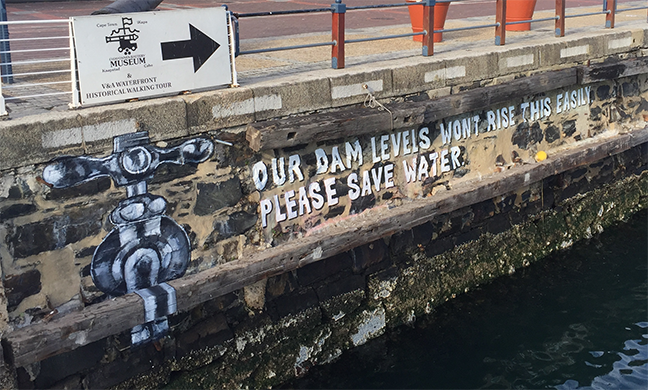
418, 160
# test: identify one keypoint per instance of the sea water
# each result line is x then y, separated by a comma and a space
575, 320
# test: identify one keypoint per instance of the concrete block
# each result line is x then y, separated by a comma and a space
518, 60
219, 109
571, 51
463, 69
622, 42
296, 95
349, 88
39, 138
163, 118
22, 139
644, 44
411, 78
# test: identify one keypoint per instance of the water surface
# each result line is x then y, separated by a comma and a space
576, 320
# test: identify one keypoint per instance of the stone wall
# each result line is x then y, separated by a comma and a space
242, 203
51, 234
278, 328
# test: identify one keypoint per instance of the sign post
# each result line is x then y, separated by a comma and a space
135, 55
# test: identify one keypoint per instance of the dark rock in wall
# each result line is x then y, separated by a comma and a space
400, 242
191, 235
569, 128
459, 173
644, 154
341, 188
208, 333
20, 191
55, 232
369, 254
128, 365
281, 284
507, 203
15, 192
85, 252
168, 172
85, 271
468, 236
293, 303
595, 113
16, 210
19, 287
483, 210
498, 223
341, 286
92, 187
362, 203
436, 247
71, 382
577, 173
323, 269
23, 379
215, 196
629, 160
54, 369
526, 135
552, 134
334, 212
422, 234
603, 92
643, 107
237, 223
630, 89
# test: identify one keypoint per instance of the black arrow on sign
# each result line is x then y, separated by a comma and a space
199, 46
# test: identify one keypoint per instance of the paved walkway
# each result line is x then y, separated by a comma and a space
258, 67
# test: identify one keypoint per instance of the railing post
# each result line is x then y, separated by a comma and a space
338, 10
500, 19
428, 27
233, 44
560, 21
5, 56
73, 70
609, 18
3, 108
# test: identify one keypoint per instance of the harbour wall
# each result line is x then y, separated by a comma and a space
349, 202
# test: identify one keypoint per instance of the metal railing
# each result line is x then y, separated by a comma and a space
37, 57
338, 12
38, 66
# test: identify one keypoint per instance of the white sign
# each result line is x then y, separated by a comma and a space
126, 56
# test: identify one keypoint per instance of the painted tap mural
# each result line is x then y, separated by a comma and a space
146, 248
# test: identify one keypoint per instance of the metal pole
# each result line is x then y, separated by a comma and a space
3, 108
5, 56
233, 47
500, 19
611, 10
560, 21
338, 10
73, 70
428, 27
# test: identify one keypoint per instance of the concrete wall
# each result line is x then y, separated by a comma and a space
279, 326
